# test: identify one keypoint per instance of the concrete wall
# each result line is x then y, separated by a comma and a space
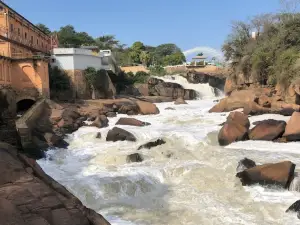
26, 123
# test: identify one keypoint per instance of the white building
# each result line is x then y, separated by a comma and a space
69, 59
75, 60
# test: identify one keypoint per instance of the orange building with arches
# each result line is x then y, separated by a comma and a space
24, 55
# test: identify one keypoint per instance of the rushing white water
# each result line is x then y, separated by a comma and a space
204, 90
189, 180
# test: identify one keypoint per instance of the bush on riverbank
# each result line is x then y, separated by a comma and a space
273, 56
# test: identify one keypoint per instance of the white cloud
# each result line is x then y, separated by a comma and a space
207, 51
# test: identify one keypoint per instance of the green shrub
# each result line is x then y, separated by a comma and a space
157, 70
141, 77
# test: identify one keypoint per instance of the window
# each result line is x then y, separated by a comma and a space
25, 35
37, 41
11, 27
1, 8
19, 31
31, 39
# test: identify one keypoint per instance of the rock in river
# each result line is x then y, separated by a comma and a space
118, 134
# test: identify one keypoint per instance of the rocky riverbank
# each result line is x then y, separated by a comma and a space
28, 196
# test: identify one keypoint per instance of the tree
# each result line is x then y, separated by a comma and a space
108, 42
134, 56
145, 58
43, 28
67, 37
174, 59
166, 49
85, 39
138, 46
200, 54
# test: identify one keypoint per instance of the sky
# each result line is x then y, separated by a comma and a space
188, 24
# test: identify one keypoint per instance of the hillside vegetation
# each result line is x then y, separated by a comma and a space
270, 58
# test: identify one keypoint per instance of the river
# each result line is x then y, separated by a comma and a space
190, 180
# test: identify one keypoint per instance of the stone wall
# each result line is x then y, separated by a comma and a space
27, 122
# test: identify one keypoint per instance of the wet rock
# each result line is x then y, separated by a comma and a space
169, 108
245, 164
147, 108
132, 122
111, 114
55, 141
232, 132
152, 144
91, 118
180, 101
100, 122
98, 135
295, 207
292, 130
118, 134
129, 109
135, 157
267, 130
239, 118
279, 174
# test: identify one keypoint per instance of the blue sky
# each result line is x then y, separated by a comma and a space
188, 23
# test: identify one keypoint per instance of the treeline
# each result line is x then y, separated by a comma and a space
138, 53
273, 55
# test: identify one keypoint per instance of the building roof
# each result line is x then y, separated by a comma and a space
199, 57
1, 2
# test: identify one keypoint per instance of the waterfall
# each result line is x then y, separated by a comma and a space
204, 90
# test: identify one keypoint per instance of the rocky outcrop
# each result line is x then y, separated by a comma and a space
28, 196
103, 86
280, 174
135, 157
292, 130
119, 134
214, 80
152, 144
132, 122
147, 108
180, 101
158, 87
267, 130
235, 129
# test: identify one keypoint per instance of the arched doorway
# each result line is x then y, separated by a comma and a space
24, 105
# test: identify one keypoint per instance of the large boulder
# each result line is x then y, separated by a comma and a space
132, 122
100, 122
239, 118
118, 134
180, 101
234, 129
279, 174
292, 130
152, 144
147, 108
55, 141
232, 132
267, 130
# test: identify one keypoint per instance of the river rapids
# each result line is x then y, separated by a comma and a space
190, 180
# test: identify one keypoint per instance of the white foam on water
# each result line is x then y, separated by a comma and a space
189, 180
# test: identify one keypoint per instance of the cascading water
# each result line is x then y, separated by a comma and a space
204, 90
189, 180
